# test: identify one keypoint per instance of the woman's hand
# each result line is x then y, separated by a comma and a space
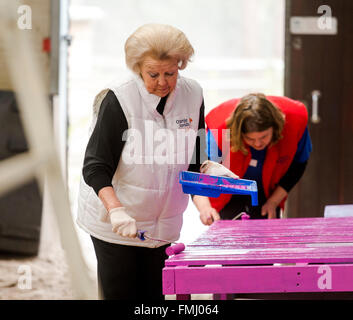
208, 215
122, 223
216, 169
115, 213
269, 209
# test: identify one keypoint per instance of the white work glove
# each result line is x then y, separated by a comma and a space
122, 223
216, 169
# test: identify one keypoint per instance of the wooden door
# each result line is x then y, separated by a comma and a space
321, 61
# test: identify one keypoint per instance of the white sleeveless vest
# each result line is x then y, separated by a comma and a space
157, 148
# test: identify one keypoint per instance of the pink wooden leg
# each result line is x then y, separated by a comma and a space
223, 296
183, 297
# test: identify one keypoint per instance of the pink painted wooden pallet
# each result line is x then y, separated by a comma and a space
247, 256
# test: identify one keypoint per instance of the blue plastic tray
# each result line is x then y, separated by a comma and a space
213, 186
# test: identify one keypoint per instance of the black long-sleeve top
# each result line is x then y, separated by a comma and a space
293, 175
105, 145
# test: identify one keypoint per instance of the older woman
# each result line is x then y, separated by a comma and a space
269, 143
132, 162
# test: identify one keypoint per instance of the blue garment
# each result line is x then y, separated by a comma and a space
304, 147
254, 171
213, 152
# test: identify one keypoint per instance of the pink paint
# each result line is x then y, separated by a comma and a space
245, 216
175, 249
320, 249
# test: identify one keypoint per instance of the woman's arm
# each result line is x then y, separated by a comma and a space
207, 214
270, 206
105, 145
298, 165
203, 205
291, 177
109, 198
102, 157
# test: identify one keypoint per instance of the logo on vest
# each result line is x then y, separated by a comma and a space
184, 123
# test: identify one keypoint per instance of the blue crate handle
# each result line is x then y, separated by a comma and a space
213, 186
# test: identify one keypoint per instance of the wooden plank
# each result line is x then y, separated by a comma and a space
222, 232
225, 230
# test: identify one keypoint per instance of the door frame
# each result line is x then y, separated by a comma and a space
60, 42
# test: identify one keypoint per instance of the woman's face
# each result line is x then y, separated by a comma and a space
258, 140
159, 76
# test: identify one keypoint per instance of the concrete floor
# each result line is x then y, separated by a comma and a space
43, 277
46, 276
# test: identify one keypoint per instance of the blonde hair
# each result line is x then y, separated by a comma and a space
158, 41
254, 113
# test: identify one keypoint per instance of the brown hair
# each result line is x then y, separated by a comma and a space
254, 113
